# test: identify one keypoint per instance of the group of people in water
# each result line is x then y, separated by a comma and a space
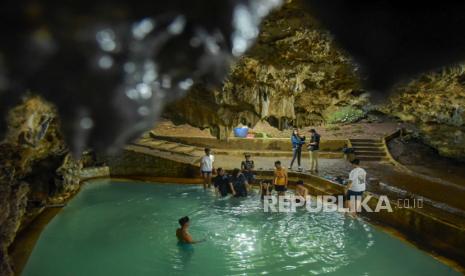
238, 184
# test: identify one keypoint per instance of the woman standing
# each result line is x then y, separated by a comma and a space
297, 143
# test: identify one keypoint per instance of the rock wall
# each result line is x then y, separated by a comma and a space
36, 170
435, 102
297, 75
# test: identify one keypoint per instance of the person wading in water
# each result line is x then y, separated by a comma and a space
182, 234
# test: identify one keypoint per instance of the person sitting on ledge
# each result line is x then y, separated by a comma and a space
182, 234
280, 178
301, 192
221, 183
266, 187
247, 168
238, 184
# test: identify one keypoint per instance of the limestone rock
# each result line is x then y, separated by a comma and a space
295, 74
436, 103
30, 156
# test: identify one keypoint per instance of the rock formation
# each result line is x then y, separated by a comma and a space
296, 75
435, 102
35, 170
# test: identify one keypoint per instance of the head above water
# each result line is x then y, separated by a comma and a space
236, 172
355, 162
184, 221
207, 151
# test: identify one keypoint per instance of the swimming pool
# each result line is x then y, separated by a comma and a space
128, 228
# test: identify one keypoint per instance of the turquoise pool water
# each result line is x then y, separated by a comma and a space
128, 228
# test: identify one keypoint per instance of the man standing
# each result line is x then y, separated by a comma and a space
206, 168
221, 183
356, 186
313, 149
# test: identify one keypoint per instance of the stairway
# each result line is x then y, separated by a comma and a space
168, 146
369, 149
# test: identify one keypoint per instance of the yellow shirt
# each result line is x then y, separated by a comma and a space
280, 176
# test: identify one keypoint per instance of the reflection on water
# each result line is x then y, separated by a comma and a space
184, 256
126, 229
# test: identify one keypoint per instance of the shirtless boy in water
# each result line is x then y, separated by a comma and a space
182, 233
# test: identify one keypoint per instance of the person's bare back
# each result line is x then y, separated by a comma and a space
183, 235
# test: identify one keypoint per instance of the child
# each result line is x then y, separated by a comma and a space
301, 192
206, 168
247, 168
280, 178
266, 187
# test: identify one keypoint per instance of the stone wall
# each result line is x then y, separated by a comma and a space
134, 163
257, 144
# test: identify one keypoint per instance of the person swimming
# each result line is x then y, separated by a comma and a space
182, 234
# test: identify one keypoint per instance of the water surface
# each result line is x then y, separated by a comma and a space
128, 228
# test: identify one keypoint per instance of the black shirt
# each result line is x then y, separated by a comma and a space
314, 139
222, 183
239, 185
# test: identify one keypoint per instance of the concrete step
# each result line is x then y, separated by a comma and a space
357, 140
183, 149
370, 153
375, 149
370, 158
155, 143
168, 146
365, 144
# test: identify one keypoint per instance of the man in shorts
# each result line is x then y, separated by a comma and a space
206, 168
356, 186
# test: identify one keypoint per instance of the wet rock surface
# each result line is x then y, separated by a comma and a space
36, 170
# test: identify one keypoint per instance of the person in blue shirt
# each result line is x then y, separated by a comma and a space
297, 143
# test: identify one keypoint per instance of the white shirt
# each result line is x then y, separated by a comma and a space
206, 163
358, 178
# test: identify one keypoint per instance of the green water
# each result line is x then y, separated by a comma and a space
123, 228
